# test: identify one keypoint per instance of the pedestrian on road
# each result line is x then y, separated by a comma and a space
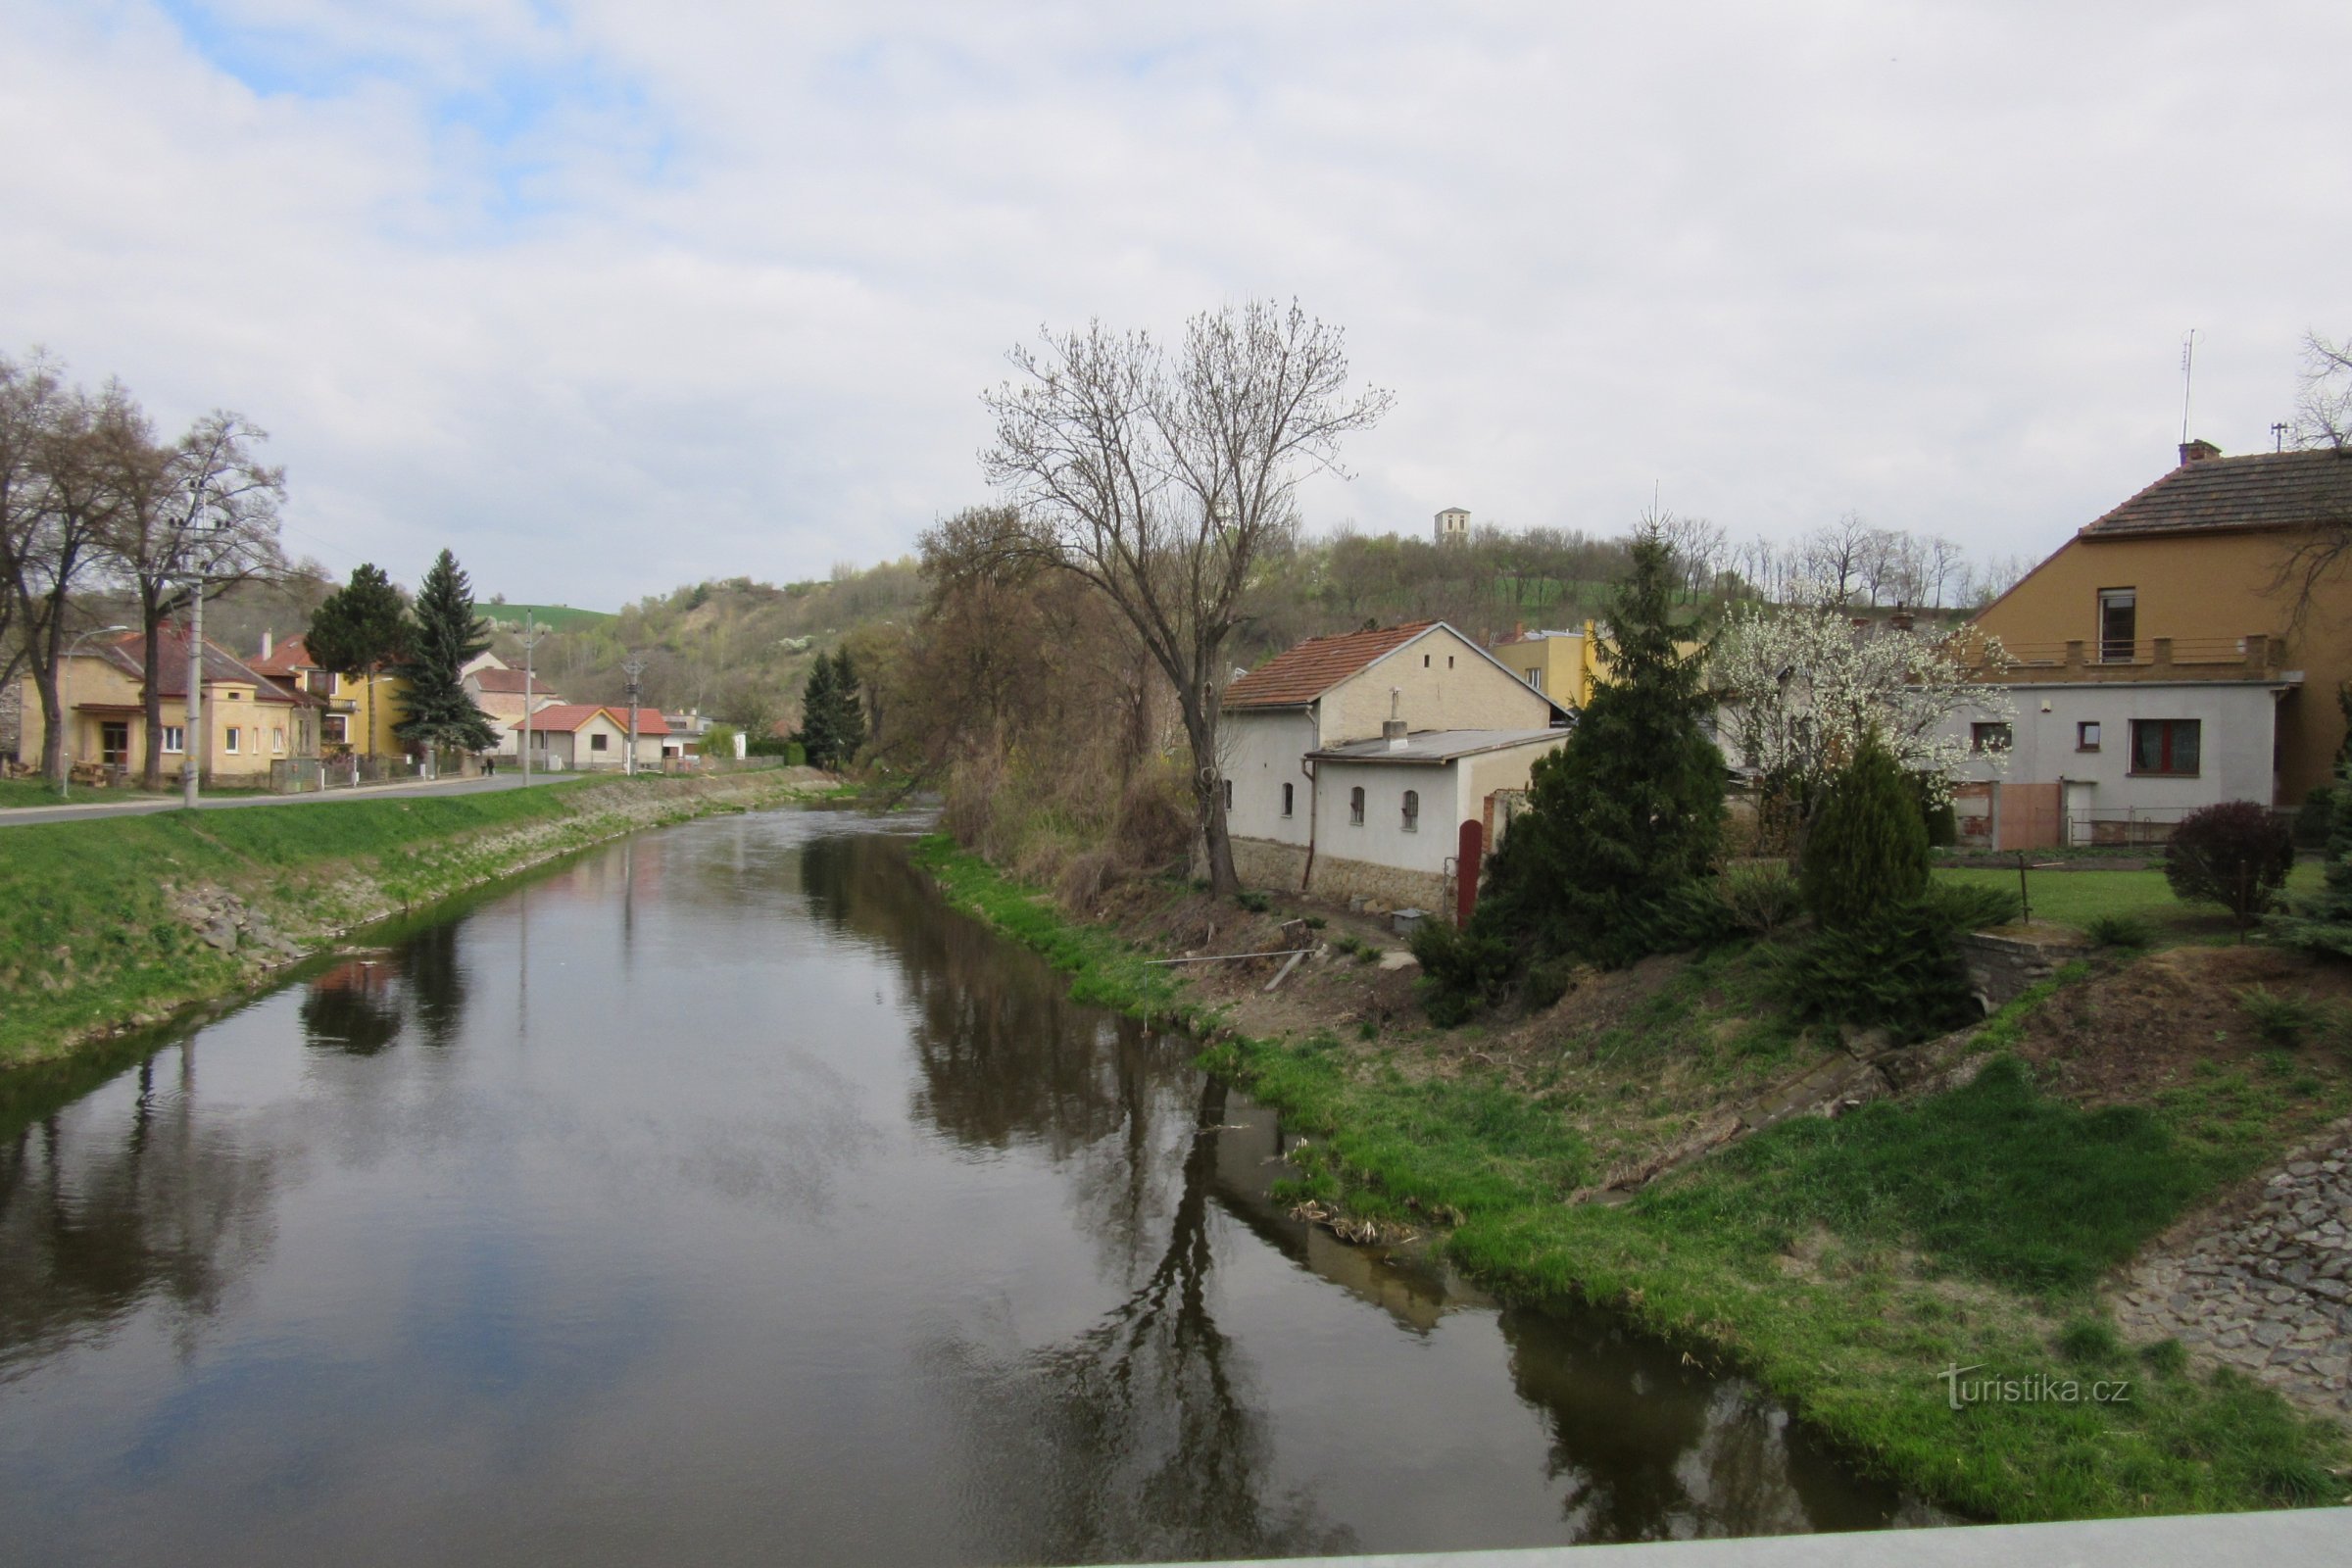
490, 766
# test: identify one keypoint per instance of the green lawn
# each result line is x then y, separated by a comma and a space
2077, 898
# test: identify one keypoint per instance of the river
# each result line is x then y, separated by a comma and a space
719, 1196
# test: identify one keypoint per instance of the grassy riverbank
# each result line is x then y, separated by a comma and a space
103, 922
1844, 1266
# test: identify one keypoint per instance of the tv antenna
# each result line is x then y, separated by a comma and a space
2279, 429
2189, 367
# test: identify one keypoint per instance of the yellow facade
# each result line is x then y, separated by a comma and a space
1564, 665
2215, 600
104, 723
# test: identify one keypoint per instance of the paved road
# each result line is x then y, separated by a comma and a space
83, 809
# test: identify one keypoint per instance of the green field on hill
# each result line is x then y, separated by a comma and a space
557, 617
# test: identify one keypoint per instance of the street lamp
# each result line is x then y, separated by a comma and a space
64, 780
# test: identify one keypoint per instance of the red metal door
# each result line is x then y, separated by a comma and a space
1465, 871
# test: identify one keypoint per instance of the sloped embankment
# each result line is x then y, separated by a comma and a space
110, 924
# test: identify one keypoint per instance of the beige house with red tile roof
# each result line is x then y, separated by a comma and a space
1352, 763
498, 691
586, 736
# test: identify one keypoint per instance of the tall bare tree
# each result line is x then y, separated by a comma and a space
201, 511
30, 392
68, 504
1161, 478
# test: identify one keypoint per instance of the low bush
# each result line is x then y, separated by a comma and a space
1461, 971
2286, 1019
2235, 853
2130, 932
1760, 897
1901, 972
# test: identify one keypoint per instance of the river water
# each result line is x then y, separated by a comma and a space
718, 1198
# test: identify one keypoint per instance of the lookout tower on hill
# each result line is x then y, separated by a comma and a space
1454, 527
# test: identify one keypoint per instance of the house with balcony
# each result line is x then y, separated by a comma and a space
1353, 764
2168, 657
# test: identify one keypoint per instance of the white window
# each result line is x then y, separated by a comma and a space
228, 740
1534, 677
277, 739
336, 727
176, 739
1355, 806
1412, 810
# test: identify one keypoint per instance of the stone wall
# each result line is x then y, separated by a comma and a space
1277, 867
2001, 968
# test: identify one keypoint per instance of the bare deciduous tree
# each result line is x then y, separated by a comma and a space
1161, 478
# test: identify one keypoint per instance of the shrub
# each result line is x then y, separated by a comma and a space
1901, 971
2235, 853
2287, 1020
2129, 931
2323, 924
1255, 902
1461, 971
2314, 817
1760, 897
1867, 851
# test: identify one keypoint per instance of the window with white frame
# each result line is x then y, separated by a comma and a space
176, 739
1412, 810
228, 740
1355, 806
277, 739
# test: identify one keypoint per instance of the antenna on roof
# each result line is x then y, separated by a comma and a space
2279, 429
2188, 365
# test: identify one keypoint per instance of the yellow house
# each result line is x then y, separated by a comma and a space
359, 710
1564, 665
2173, 602
250, 720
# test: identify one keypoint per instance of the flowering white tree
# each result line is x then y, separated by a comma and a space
1801, 684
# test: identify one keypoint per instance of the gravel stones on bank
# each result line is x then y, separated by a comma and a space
2268, 1292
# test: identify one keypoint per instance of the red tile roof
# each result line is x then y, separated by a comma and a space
575, 716
508, 681
2259, 490
1318, 664
286, 658
219, 664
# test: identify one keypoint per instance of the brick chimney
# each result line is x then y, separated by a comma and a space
1392, 729
2197, 451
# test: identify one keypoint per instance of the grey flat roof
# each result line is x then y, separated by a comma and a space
1436, 745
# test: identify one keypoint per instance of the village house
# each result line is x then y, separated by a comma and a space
2163, 658
1371, 763
358, 711
1562, 664
498, 691
586, 736
250, 720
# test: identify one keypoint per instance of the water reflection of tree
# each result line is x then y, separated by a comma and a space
104, 1209
1651, 1448
360, 1005
1136, 1439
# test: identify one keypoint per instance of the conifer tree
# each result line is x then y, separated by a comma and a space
832, 713
1867, 853
1629, 812
358, 629
2324, 923
443, 633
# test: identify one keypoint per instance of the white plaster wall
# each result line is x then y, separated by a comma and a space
2238, 742
1471, 692
1262, 752
1382, 839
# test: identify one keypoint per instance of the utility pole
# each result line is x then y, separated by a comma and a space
530, 640
632, 667
193, 741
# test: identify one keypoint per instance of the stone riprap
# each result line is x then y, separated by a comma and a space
2268, 1292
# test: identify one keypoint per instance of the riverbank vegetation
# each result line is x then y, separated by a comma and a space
112, 922
1845, 1265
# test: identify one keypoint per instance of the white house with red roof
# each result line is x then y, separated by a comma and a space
499, 691
1351, 764
587, 736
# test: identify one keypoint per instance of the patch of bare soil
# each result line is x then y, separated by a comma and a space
2129, 1035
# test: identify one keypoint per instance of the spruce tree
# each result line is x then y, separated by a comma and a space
849, 701
443, 633
832, 715
1627, 814
360, 628
1867, 853
2322, 923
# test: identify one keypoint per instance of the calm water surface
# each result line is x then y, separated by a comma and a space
720, 1198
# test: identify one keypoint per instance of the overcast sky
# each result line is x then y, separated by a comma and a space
611, 296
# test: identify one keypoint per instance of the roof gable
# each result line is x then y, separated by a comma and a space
2255, 491
1301, 674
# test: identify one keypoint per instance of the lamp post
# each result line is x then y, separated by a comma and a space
65, 781
632, 667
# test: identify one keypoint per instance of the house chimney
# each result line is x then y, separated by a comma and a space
1393, 731
2197, 451
265, 642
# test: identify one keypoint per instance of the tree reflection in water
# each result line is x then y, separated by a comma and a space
107, 1203
360, 1005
